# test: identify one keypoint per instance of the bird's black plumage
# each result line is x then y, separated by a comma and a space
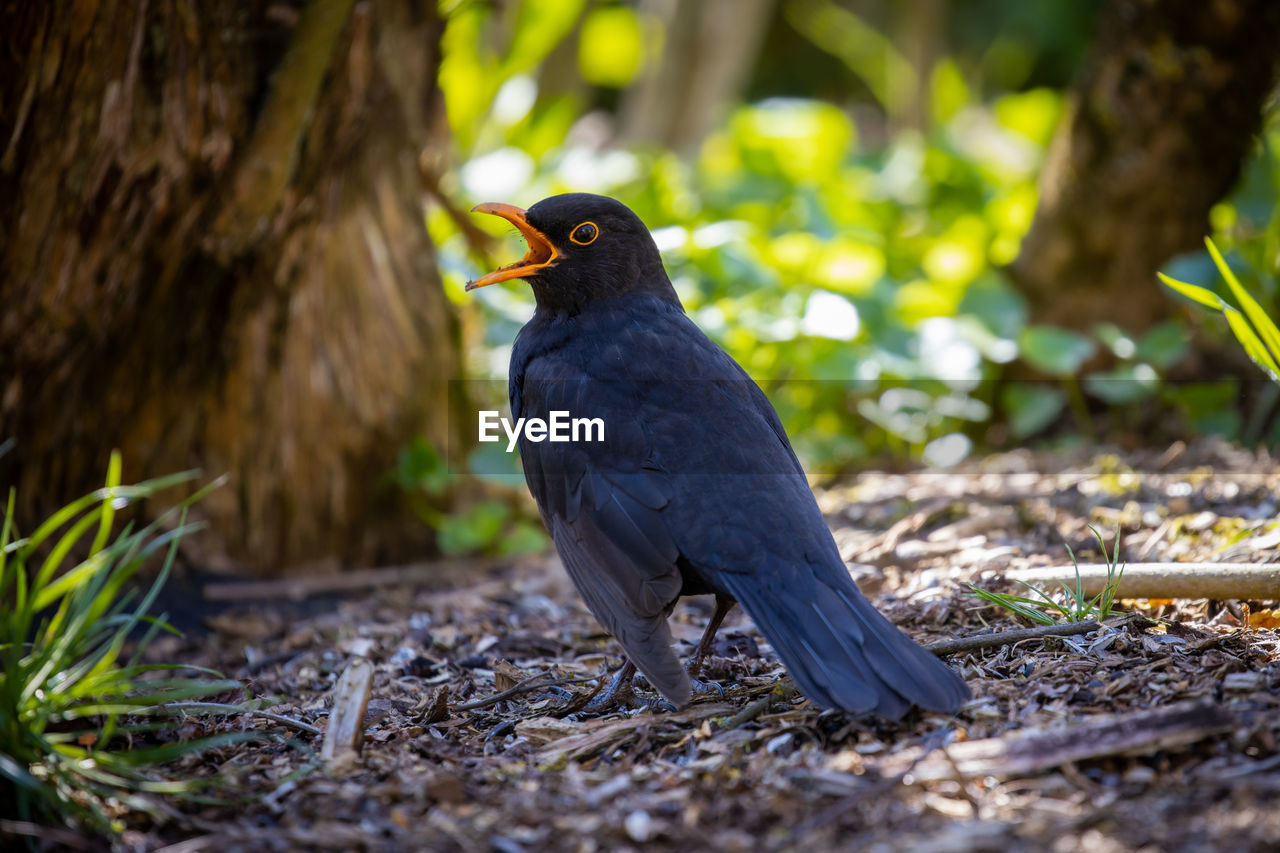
695, 488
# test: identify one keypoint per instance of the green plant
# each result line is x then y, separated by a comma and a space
1074, 606
1256, 331
72, 689
487, 526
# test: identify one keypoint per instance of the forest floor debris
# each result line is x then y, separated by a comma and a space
1161, 732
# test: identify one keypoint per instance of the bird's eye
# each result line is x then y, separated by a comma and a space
585, 234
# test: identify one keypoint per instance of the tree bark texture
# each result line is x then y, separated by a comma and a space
1155, 132
214, 258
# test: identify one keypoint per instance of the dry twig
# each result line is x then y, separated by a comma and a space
223, 708
1008, 638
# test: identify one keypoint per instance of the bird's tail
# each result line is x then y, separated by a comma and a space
844, 654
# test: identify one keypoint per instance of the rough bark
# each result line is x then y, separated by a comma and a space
214, 257
1157, 126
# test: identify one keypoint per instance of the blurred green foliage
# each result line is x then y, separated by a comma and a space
487, 525
851, 268
1242, 260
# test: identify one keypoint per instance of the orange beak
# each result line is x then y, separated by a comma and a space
541, 252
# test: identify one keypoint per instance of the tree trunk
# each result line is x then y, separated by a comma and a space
214, 258
706, 61
1155, 132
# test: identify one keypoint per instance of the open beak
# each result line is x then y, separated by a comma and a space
541, 253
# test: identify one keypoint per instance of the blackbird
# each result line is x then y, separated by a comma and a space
694, 487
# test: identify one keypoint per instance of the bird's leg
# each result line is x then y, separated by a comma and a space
723, 605
619, 692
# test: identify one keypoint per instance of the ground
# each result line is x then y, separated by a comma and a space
1162, 733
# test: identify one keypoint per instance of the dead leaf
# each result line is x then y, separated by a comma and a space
1265, 619
506, 675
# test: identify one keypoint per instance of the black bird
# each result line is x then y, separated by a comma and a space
695, 488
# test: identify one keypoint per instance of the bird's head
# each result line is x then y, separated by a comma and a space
582, 248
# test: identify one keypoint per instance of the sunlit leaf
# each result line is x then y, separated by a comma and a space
803, 141
1266, 329
611, 46
950, 93
1032, 114
848, 266
1193, 292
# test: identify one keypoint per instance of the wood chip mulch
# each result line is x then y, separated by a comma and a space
1157, 733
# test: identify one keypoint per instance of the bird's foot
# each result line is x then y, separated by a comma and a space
618, 696
706, 689
701, 690
555, 692
659, 706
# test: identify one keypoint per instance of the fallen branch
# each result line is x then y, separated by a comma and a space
1138, 733
1008, 638
1259, 581
417, 574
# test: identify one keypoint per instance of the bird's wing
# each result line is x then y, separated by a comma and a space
603, 508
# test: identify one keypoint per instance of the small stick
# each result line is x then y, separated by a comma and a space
781, 693
531, 683
1007, 638
236, 709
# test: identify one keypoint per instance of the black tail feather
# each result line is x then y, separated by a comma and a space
844, 654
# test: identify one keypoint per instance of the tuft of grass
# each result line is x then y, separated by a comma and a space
1071, 605
75, 744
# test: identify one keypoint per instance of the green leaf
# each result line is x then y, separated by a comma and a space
1164, 345
1127, 383
1031, 408
17, 774
1193, 292
108, 507
473, 530
1016, 604
1267, 330
1060, 352
1253, 346
611, 48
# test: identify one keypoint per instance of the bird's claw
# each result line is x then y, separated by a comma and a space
619, 695
706, 688
660, 706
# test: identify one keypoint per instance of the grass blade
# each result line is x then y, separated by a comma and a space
1266, 329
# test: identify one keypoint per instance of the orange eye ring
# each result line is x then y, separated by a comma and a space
585, 234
